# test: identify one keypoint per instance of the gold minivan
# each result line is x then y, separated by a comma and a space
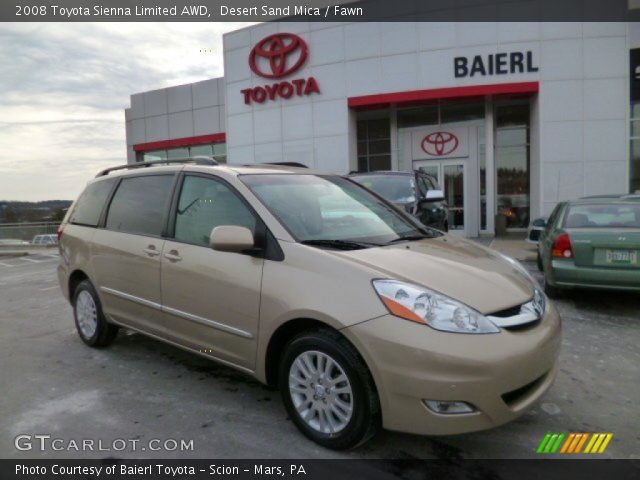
363, 317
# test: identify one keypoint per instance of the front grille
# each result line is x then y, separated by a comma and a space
507, 312
516, 396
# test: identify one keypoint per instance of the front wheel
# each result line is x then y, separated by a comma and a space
328, 390
92, 326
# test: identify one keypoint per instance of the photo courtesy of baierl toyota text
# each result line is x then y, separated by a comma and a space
311, 240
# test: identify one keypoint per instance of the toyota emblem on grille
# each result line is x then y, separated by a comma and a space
284, 54
439, 144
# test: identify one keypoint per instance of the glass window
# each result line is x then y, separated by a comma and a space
553, 217
197, 150
413, 117
330, 207
206, 203
635, 166
482, 163
461, 112
634, 157
90, 204
220, 149
512, 164
154, 155
395, 188
177, 153
603, 216
139, 205
374, 144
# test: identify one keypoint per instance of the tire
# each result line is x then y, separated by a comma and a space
551, 291
324, 426
539, 262
91, 324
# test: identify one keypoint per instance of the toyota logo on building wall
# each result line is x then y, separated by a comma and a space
282, 54
439, 144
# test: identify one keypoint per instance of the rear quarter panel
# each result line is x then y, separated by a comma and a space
75, 254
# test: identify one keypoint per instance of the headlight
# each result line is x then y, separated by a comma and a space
421, 305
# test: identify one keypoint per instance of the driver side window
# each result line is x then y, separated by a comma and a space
206, 203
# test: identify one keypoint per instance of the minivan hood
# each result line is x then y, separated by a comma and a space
459, 268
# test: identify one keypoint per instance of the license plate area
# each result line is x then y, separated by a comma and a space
621, 257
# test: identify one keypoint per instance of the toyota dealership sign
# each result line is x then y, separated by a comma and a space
434, 143
276, 57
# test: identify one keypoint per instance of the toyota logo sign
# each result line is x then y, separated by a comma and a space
277, 56
439, 144
281, 53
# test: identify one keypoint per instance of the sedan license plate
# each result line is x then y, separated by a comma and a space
622, 257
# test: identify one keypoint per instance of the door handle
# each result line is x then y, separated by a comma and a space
173, 256
151, 251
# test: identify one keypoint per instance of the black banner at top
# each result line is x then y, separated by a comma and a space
317, 10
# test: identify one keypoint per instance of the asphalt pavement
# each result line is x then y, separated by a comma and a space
145, 395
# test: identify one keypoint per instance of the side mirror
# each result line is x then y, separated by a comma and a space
539, 222
434, 196
231, 238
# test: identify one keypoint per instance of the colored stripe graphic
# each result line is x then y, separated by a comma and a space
550, 443
573, 443
598, 442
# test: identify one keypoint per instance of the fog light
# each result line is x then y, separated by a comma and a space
448, 408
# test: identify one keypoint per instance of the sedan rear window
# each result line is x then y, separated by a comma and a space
603, 216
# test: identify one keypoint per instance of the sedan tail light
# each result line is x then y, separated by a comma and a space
562, 247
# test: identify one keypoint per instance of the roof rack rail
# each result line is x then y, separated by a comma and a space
199, 160
286, 164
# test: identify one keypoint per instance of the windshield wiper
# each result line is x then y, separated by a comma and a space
409, 238
339, 244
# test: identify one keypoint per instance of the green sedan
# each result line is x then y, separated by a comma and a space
592, 243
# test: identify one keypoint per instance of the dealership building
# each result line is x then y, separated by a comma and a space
509, 117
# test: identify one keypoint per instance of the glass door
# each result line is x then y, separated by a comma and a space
450, 175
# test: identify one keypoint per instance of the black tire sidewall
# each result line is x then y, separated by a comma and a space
362, 417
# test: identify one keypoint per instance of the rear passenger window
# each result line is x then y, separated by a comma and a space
206, 203
139, 205
89, 206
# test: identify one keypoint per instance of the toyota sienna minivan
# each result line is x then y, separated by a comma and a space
363, 317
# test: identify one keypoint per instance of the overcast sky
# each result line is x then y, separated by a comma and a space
64, 88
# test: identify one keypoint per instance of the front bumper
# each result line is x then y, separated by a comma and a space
501, 374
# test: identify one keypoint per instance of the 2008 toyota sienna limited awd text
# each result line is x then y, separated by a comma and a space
362, 316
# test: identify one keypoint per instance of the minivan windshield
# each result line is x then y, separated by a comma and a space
331, 211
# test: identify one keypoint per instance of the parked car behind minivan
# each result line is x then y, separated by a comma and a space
416, 192
592, 242
362, 316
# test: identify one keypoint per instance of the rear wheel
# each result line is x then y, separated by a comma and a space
328, 390
92, 326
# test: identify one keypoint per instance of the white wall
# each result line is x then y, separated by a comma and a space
580, 119
176, 112
582, 108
